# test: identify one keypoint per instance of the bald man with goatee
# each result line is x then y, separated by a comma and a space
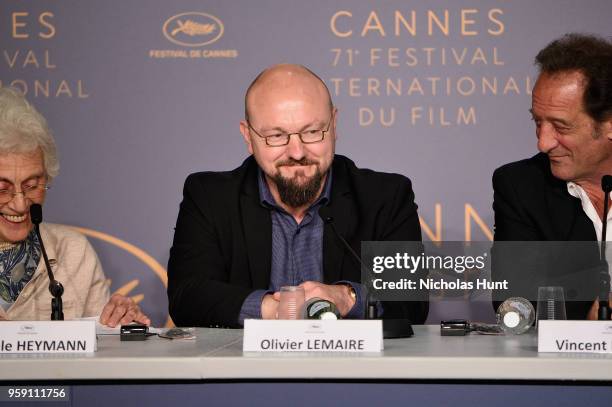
241, 235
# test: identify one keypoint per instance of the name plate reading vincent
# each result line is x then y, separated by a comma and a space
312, 336
575, 336
47, 336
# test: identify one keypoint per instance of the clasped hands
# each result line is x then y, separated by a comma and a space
339, 294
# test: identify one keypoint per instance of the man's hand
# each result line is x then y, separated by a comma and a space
122, 310
339, 294
593, 314
269, 307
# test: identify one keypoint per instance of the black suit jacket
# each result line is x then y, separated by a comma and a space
530, 204
223, 239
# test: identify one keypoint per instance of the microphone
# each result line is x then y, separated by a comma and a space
392, 328
55, 287
606, 186
604, 309
325, 214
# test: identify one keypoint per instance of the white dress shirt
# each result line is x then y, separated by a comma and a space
576, 191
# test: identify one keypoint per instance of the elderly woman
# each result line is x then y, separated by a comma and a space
28, 163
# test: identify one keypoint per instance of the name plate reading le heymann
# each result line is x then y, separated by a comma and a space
47, 336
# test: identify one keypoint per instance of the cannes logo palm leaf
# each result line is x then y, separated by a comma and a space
192, 28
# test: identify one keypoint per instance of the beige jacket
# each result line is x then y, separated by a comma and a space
76, 266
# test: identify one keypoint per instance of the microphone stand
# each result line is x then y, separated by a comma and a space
55, 287
392, 328
604, 274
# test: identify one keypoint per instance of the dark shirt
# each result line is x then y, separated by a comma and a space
297, 250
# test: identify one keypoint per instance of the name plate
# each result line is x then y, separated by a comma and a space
312, 336
47, 336
575, 336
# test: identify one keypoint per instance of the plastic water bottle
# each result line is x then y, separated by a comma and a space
317, 308
515, 315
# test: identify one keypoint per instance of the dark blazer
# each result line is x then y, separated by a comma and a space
530, 204
223, 239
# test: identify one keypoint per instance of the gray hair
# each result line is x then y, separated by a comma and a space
23, 130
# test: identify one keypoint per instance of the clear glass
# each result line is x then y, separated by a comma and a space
291, 302
551, 303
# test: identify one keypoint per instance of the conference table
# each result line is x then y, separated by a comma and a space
213, 370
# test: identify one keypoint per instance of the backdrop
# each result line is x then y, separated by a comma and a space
141, 93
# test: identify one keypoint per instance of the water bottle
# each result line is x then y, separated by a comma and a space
515, 315
317, 308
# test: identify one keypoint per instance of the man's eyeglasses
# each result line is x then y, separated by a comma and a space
306, 137
30, 191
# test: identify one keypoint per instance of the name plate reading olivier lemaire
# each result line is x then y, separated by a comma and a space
47, 336
575, 336
361, 336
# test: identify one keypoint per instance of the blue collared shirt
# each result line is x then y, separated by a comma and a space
297, 250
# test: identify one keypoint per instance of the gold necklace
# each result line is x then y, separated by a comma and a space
6, 246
